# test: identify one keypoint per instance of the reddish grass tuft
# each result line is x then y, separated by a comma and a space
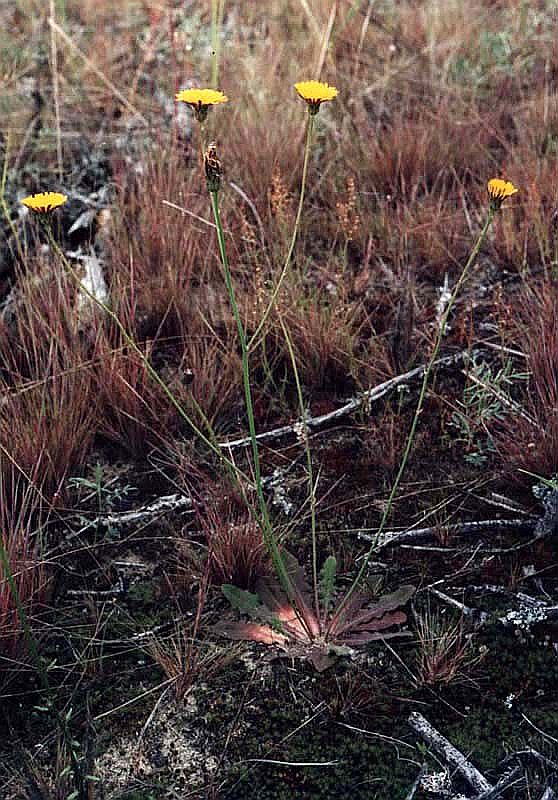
530, 441
47, 417
20, 511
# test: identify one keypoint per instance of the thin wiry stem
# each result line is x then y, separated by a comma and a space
267, 528
277, 289
311, 484
422, 395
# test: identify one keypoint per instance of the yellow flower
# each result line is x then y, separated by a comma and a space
44, 202
499, 189
201, 99
315, 93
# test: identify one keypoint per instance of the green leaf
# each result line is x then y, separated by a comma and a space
243, 601
276, 625
328, 574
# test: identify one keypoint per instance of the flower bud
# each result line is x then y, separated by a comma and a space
213, 170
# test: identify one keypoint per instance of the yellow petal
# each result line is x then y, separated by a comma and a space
315, 91
43, 202
499, 189
201, 97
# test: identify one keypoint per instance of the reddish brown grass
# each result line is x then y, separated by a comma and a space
49, 407
20, 513
530, 442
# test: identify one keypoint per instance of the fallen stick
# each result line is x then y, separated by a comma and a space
365, 399
449, 754
389, 538
466, 611
163, 505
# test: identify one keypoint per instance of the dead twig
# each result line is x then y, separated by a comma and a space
449, 754
163, 505
529, 756
389, 538
363, 400
466, 611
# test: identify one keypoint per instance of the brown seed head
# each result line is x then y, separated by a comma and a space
213, 169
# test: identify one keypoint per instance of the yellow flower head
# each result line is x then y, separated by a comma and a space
499, 189
44, 202
315, 93
201, 99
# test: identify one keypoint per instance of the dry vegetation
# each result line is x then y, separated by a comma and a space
435, 97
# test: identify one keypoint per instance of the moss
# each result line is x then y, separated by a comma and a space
273, 730
523, 668
518, 680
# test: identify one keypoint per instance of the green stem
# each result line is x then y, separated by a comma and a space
213, 446
312, 487
410, 438
277, 289
267, 529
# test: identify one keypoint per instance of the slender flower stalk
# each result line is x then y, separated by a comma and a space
497, 193
213, 175
309, 470
314, 93
286, 264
